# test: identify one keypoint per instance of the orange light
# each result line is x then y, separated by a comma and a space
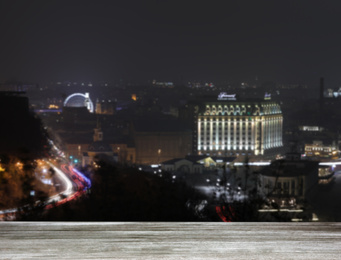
53, 106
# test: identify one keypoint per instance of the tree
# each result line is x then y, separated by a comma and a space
121, 193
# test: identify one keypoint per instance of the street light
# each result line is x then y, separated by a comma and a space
159, 154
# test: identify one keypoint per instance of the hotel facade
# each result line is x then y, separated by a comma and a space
228, 127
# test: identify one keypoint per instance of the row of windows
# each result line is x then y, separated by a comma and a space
237, 132
225, 139
240, 119
220, 136
226, 130
235, 143
227, 122
226, 127
227, 153
220, 127
318, 149
231, 137
231, 125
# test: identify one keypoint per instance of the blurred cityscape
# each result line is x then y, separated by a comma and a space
237, 151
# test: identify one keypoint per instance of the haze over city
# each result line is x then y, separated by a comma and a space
293, 42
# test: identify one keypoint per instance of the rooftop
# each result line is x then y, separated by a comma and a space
290, 168
159, 125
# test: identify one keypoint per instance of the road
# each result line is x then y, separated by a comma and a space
66, 182
75, 182
72, 182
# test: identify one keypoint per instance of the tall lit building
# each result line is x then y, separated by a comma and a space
227, 126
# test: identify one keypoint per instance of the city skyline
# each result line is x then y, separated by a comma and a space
291, 42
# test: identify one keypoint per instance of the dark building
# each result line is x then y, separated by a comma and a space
21, 131
157, 140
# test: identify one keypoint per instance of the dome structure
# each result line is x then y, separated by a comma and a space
79, 100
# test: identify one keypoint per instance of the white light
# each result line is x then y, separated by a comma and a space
86, 95
259, 163
330, 163
68, 183
282, 210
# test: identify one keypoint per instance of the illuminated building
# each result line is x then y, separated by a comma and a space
163, 84
105, 107
310, 128
97, 149
182, 165
79, 100
289, 181
227, 126
78, 146
288, 178
319, 150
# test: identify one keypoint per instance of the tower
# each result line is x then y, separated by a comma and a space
98, 135
87, 101
321, 94
98, 107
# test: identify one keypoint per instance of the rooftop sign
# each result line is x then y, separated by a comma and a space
267, 96
225, 96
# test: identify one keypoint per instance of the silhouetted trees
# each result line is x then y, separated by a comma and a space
126, 194
21, 131
17, 181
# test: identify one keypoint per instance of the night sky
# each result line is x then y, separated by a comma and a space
217, 41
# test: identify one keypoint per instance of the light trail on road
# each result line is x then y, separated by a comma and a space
87, 180
81, 182
69, 188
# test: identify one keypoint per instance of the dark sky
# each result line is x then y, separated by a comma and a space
288, 41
